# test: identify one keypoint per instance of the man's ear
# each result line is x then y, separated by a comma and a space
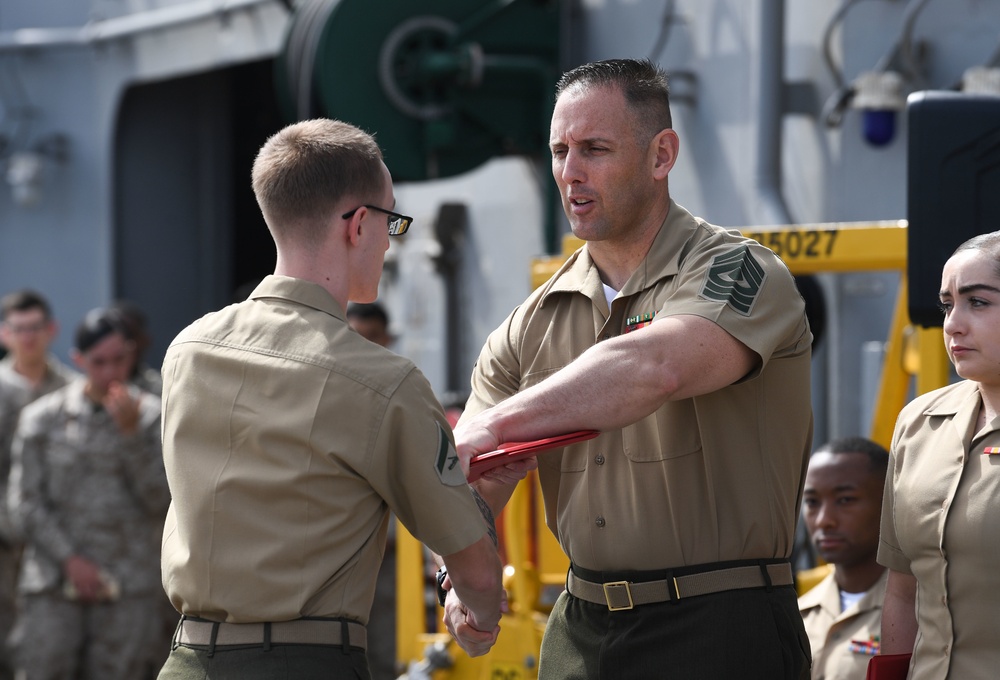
77, 357
664, 146
354, 226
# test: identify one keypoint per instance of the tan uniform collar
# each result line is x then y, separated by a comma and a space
579, 275
951, 402
300, 291
961, 404
826, 595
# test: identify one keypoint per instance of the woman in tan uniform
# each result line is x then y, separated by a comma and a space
940, 535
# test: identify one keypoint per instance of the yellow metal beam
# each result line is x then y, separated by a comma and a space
411, 615
895, 379
836, 246
935, 369
804, 248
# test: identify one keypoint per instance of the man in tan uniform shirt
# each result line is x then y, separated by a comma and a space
688, 347
287, 438
842, 506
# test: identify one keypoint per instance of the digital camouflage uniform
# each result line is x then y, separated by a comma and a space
15, 393
78, 486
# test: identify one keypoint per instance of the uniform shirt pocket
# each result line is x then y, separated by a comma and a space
670, 432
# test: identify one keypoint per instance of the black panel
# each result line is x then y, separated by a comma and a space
953, 190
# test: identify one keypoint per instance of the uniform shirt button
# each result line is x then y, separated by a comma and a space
599, 522
599, 459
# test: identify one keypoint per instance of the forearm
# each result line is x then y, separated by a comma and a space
621, 380
622, 389
495, 494
899, 619
475, 575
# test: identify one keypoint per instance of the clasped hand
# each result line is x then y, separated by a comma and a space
462, 626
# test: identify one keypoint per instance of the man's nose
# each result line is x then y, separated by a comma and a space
572, 168
825, 517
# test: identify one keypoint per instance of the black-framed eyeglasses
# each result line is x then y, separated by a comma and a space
398, 223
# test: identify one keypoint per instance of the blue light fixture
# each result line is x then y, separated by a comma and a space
879, 96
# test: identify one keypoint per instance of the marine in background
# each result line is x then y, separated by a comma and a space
87, 480
28, 371
841, 508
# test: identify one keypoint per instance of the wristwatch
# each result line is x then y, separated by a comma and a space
439, 579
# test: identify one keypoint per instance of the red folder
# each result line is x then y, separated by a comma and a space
508, 452
888, 667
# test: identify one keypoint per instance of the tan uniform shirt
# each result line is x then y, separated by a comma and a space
287, 438
831, 631
940, 524
717, 477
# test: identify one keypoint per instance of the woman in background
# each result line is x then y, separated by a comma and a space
941, 514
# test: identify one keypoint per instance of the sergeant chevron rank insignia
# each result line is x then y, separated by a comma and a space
446, 461
735, 278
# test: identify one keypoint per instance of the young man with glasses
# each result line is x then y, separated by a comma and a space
287, 438
27, 330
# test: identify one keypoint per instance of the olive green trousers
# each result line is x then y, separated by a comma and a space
747, 634
279, 662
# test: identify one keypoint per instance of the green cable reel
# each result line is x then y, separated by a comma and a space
445, 85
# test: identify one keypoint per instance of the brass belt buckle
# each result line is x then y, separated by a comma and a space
628, 591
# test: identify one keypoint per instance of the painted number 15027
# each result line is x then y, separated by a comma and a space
795, 244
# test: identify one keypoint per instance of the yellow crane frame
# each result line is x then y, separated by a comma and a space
537, 565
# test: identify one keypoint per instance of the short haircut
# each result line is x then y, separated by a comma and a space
24, 300
988, 244
878, 457
641, 82
304, 170
368, 310
98, 324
